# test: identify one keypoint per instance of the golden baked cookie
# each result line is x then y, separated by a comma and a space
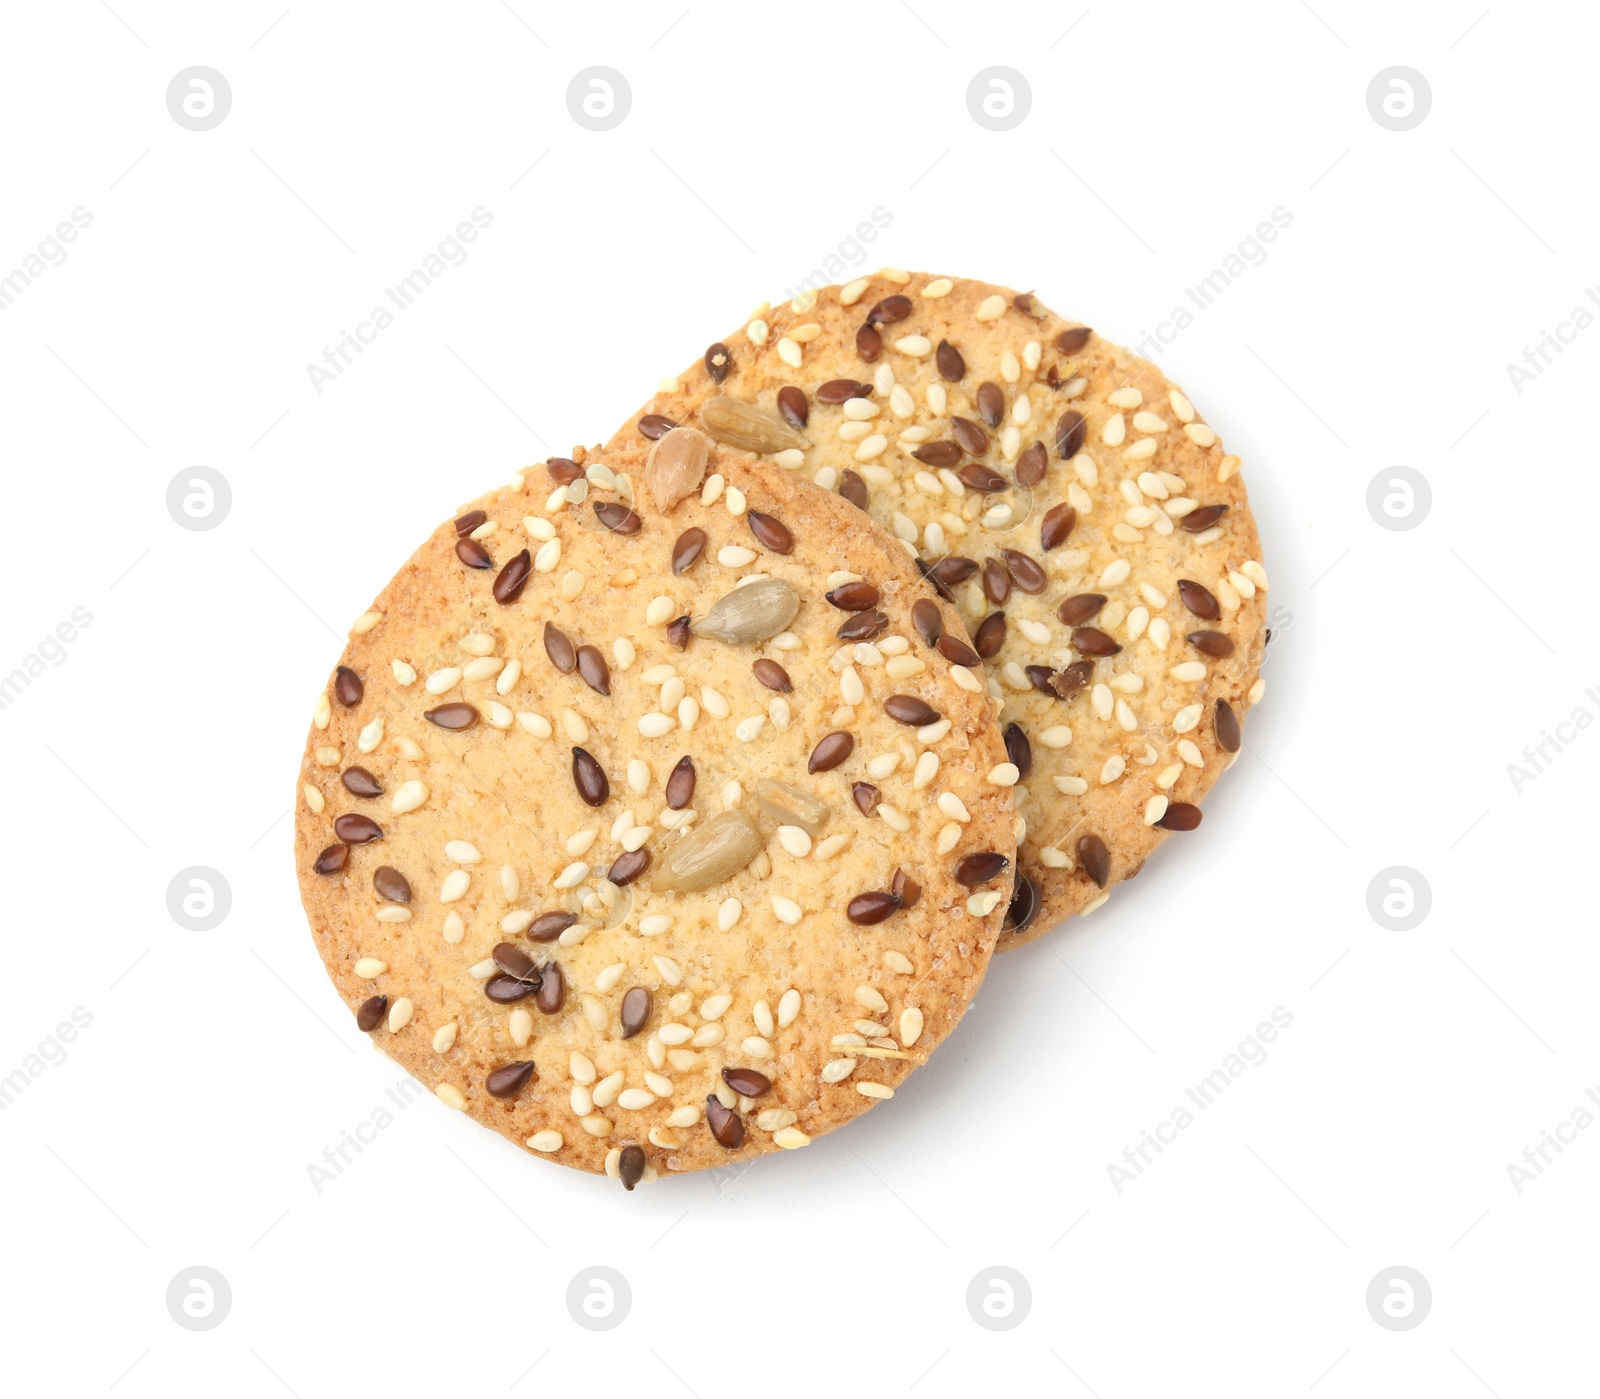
645, 819
1082, 515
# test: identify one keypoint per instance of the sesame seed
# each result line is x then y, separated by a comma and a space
786, 910
408, 796
953, 807
450, 1096
572, 876
747, 730
547, 1140
795, 840
910, 1026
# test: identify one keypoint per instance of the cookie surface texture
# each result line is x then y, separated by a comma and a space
1093, 533
641, 820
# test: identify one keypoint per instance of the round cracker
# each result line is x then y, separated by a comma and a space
829, 1010
1130, 753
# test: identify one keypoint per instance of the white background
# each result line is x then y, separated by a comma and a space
1416, 666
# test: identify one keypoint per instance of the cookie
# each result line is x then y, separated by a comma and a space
651, 816
1085, 519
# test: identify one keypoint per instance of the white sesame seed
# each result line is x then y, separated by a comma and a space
747, 730
450, 1096
894, 818
408, 796
636, 837
756, 1047
933, 733
914, 345
1056, 736
1005, 775
572, 876
1070, 786
454, 929
1112, 769
786, 910
849, 294
370, 967
871, 447
953, 807
870, 998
